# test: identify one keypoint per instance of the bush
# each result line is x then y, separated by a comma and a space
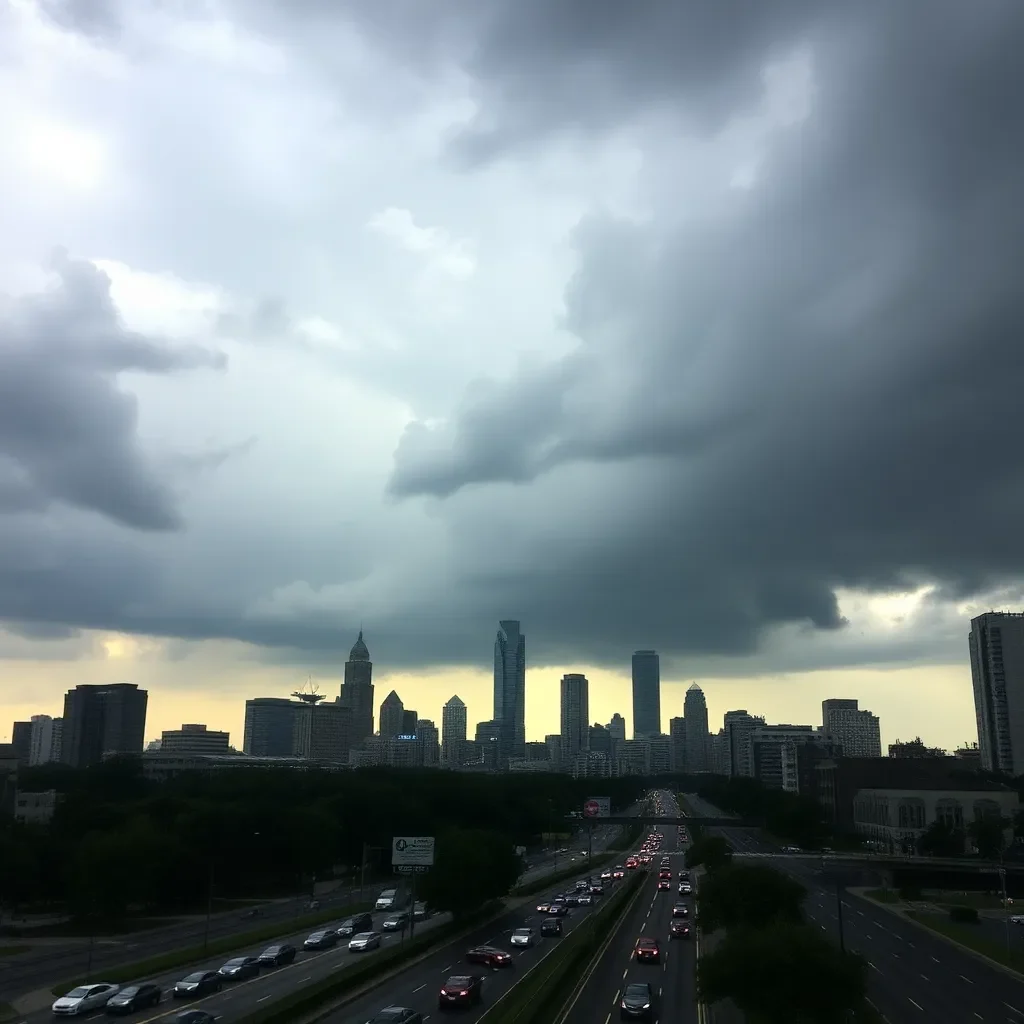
963, 915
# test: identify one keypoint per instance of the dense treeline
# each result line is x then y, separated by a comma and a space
120, 842
792, 816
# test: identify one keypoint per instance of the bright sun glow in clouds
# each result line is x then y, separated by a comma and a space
69, 157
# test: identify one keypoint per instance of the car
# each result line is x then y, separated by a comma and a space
791, 849
637, 1002
490, 956
351, 925
684, 876
194, 1017
84, 998
461, 990
606, 875
323, 939
597, 889
664, 885
239, 968
386, 900
665, 873
362, 941
523, 937
544, 906
685, 888
647, 951
678, 929
552, 927
558, 909
198, 983
134, 997
420, 911
585, 899
619, 872
396, 1015
680, 910
396, 922
571, 899
278, 955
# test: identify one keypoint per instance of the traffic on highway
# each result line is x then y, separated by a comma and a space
913, 974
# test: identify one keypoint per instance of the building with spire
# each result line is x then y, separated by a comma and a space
357, 691
695, 717
510, 691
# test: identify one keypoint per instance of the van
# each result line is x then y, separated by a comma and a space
386, 900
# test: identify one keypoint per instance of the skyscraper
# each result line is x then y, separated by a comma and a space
575, 714
453, 731
102, 720
392, 716
858, 732
617, 727
646, 694
695, 715
270, 726
997, 671
510, 690
357, 691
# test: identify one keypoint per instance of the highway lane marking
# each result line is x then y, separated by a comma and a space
885, 1020
936, 959
870, 964
968, 980
448, 968
420, 989
878, 924
263, 999
1014, 1008
861, 912
925, 976
306, 978
607, 1019
918, 1005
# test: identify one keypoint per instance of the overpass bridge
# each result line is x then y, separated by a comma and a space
888, 860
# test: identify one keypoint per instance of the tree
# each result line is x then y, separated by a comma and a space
471, 866
753, 896
712, 852
784, 974
941, 839
989, 834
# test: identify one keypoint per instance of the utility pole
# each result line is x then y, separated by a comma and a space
1006, 908
209, 908
839, 915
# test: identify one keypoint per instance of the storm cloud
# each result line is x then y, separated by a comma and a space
787, 362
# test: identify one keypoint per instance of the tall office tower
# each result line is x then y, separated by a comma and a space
600, 741
510, 690
575, 719
453, 731
857, 731
409, 720
21, 740
646, 694
271, 726
45, 739
739, 727
426, 736
102, 720
617, 727
392, 716
357, 691
997, 670
698, 744
677, 734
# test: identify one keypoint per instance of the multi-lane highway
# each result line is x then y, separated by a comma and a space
239, 998
914, 974
672, 980
55, 960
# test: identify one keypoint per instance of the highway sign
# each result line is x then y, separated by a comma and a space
597, 807
412, 850
412, 869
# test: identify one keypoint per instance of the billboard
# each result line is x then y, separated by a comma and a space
597, 807
412, 851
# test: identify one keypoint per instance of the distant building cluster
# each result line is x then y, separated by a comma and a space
839, 760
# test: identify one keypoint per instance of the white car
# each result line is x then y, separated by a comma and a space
523, 937
364, 941
85, 998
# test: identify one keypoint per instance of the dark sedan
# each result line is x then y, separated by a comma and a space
194, 1017
461, 990
489, 956
276, 956
637, 1002
353, 925
678, 930
648, 951
396, 1015
199, 983
134, 997
239, 968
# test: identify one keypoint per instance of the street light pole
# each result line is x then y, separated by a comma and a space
839, 916
1006, 909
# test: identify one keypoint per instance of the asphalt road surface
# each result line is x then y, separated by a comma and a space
914, 975
243, 997
56, 961
673, 981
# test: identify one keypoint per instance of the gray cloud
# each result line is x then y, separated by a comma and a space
67, 432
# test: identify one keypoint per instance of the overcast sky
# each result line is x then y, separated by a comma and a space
650, 324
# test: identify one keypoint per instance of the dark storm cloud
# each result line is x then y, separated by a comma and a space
827, 376
67, 432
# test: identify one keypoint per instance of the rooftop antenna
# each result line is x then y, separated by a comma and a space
308, 694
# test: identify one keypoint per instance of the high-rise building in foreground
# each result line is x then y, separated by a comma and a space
357, 691
453, 731
392, 716
510, 690
617, 727
857, 732
46, 739
698, 743
102, 720
997, 670
646, 694
575, 714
